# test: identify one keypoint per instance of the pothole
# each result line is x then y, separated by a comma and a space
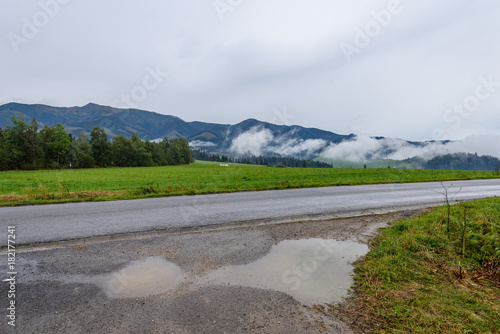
143, 278
313, 271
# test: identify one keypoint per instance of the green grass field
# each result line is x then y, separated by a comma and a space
420, 278
338, 163
55, 186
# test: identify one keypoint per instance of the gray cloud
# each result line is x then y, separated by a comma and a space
261, 141
263, 55
364, 148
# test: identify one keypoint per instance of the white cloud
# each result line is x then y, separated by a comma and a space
483, 144
261, 141
353, 150
294, 147
200, 143
252, 142
262, 56
364, 148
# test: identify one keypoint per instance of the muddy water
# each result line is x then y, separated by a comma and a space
143, 278
313, 271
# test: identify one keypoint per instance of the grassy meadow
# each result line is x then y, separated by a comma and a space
423, 277
100, 184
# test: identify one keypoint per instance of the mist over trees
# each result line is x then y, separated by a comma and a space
24, 146
458, 161
260, 160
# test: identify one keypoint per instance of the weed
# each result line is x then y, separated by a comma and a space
421, 279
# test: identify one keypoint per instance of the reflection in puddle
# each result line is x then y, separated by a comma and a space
313, 271
151, 276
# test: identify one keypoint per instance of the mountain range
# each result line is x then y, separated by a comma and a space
250, 137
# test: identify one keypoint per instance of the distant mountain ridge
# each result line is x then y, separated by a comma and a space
147, 125
151, 125
250, 137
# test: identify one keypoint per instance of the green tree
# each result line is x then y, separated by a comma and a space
16, 143
83, 144
164, 149
72, 156
186, 157
156, 152
140, 156
82, 149
22, 146
47, 136
60, 144
101, 148
122, 151
4, 157
35, 145
173, 152
56, 141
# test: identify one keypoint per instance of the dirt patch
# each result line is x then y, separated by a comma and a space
359, 229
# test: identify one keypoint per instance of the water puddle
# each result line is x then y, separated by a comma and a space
151, 276
313, 271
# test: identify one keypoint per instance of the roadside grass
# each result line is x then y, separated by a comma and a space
416, 280
59, 186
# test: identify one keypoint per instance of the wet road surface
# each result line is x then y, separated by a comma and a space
35, 224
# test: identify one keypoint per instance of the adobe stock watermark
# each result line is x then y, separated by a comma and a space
119, 282
140, 92
192, 212
282, 116
12, 275
460, 111
31, 26
302, 271
223, 7
371, 30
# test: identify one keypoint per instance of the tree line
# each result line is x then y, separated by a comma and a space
260, 160
23, 146
458, 161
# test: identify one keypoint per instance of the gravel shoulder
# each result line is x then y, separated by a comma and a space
50, 300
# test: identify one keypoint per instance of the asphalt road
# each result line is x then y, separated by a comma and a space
36, 224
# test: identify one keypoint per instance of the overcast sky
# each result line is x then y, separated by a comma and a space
417, 70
